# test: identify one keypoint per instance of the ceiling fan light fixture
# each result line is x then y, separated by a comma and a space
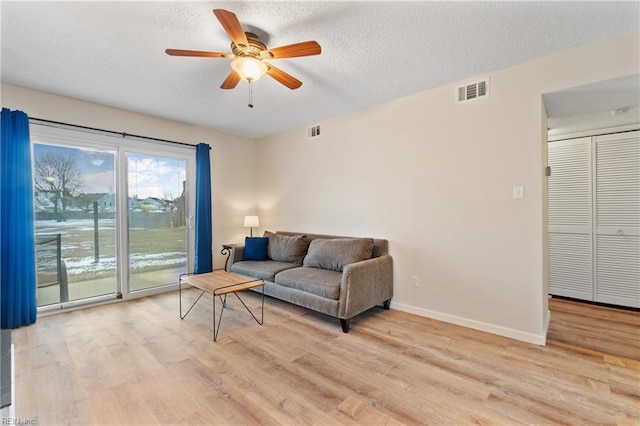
249, 68
250, 58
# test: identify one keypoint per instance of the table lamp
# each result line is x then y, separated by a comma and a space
251, 222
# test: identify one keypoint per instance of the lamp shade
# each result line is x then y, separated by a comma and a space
251, 221
249, 68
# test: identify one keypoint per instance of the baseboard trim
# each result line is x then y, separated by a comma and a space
511, 333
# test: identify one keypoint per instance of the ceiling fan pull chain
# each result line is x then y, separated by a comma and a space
250, 96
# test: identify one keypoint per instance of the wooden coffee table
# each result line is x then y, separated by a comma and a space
220, 283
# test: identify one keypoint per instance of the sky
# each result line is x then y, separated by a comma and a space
148, 176
158, 177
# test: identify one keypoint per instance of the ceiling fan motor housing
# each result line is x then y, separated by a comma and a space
254, 49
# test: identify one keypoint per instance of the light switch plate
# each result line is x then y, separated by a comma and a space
518, 192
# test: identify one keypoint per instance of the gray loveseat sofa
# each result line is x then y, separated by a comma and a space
338, 276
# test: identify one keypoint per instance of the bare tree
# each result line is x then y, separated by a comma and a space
57, 174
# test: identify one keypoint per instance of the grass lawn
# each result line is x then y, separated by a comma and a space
150, 250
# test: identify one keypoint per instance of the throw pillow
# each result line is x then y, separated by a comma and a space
287, 248
335, 254
255, 248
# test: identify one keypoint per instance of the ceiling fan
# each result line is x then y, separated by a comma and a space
250, 59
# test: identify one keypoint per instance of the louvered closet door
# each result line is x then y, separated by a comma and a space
617, 206
570, 219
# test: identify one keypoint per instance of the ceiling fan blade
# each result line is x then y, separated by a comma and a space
198, 53
282, 77
231, 25
231, 81
305, 48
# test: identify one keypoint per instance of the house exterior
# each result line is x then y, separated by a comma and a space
107, 203
43, 201
152, 204
134, 204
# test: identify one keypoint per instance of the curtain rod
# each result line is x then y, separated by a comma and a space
111, 132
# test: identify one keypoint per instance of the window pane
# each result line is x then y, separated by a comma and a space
157, 231
74, 198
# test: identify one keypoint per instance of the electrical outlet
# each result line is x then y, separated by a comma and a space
415, 282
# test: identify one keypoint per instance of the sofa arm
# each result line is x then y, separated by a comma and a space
235, 256
364, 285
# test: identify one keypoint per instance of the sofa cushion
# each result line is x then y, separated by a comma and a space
334, 254
321, 282
266, 269
287, 248
255, 248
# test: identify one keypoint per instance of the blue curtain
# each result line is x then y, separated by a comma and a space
204, 239
17, 235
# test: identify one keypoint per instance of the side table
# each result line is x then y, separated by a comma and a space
226, 251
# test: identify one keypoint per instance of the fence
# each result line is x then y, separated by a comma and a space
140, 219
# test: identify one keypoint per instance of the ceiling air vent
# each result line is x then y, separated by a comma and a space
475, 90
313, 131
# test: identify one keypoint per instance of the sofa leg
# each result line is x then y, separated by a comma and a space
386, 304
345, 325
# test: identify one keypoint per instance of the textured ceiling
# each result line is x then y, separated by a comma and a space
112, 53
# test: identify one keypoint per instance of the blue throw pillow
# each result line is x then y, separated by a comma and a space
255, 248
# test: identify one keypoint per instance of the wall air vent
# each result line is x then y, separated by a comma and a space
313, 131
476, 90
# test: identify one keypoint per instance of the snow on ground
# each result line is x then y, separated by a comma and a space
138, 261
87, 264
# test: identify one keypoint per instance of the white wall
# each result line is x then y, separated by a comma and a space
436, 178
432, 176
233, 174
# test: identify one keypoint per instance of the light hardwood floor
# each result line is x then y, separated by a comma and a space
138, 363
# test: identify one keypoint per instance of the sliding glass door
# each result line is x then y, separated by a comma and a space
157, 217
110, 222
